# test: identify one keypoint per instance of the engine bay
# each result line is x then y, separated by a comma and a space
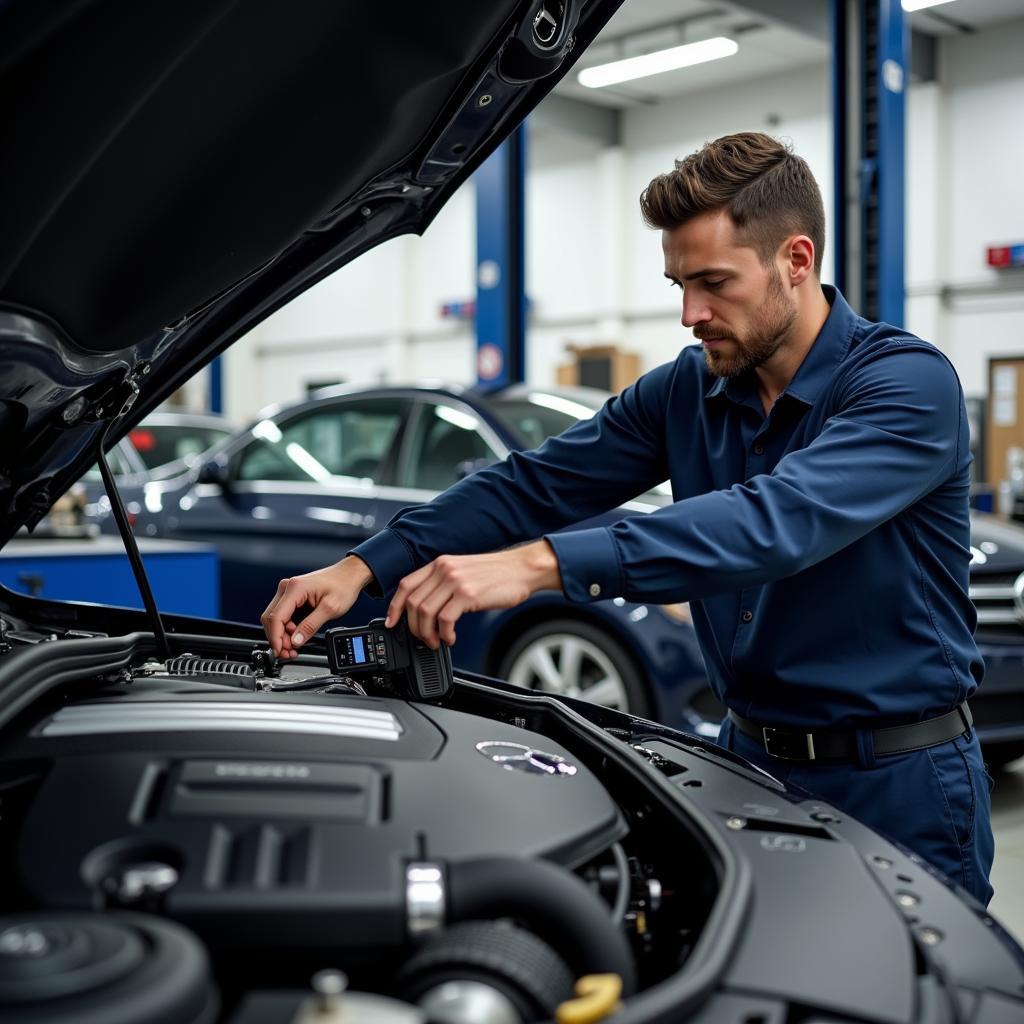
218, 809
199, 834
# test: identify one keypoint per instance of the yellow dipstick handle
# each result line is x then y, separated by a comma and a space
597, 995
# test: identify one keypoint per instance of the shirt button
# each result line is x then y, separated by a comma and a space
595, 589
759, 449
747, 616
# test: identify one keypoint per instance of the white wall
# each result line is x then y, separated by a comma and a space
981, 160
376, 319
594, 271
926, 201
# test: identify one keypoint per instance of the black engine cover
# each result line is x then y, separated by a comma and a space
290, 819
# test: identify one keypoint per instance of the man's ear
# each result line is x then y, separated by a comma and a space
797, 254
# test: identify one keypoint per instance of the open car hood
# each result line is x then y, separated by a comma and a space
176, 172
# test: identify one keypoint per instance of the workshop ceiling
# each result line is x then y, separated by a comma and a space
773, 37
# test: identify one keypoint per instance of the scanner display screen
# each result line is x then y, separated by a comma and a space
358, 651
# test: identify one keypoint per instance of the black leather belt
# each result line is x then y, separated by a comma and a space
842, 746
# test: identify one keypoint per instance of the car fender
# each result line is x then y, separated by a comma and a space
665, 651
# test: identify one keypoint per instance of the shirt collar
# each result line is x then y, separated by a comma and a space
716, 388
828, 350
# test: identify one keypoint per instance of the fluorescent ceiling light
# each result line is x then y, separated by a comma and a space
920, 5
657, 62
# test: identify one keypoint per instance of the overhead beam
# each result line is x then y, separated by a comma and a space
807, 16
575, 117
812, 18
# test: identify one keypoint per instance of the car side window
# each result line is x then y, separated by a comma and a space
445, 443
119, 466
161, 444
341, 443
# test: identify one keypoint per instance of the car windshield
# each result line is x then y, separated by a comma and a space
539, 415
158, 445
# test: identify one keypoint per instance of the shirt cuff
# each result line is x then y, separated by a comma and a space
388, 559
589, 564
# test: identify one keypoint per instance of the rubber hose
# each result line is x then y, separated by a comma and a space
622, 897
549, 900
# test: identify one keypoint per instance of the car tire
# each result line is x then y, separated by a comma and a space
576, 659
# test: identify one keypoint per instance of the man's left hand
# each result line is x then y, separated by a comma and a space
435, 596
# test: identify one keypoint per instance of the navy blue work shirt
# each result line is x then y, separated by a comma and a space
824, 547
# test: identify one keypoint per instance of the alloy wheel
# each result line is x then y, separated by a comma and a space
571, 666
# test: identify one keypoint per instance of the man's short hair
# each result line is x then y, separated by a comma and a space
766, 189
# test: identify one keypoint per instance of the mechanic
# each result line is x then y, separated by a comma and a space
820, 469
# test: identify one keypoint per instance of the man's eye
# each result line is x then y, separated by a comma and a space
714, 285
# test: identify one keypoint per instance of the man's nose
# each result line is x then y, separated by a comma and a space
694, 311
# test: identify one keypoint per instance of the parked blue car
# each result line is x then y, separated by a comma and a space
306, 482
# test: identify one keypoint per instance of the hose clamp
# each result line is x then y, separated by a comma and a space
424, 897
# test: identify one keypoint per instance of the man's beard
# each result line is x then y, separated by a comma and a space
768, 330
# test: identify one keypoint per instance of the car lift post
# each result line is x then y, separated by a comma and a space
501, 265
870, 73
216, 402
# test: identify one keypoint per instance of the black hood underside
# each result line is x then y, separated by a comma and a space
159, 152
176, 171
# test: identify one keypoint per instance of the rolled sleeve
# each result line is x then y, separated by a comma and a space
388, 558
589, 564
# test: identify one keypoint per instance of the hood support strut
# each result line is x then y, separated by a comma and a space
130, 544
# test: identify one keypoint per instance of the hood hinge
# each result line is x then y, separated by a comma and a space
118, 401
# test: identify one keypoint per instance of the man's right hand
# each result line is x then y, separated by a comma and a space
330, 592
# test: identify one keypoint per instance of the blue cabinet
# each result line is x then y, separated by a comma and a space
184, 577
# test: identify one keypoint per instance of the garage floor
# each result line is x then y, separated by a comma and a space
1008, 870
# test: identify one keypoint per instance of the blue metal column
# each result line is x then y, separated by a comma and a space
217, 385
870, 69
891, 72
837, 15
501, 265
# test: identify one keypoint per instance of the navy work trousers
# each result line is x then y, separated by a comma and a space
934, 801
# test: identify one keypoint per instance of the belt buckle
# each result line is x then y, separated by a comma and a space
788, 746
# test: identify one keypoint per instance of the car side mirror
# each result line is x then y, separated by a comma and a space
470, 466
213, 471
